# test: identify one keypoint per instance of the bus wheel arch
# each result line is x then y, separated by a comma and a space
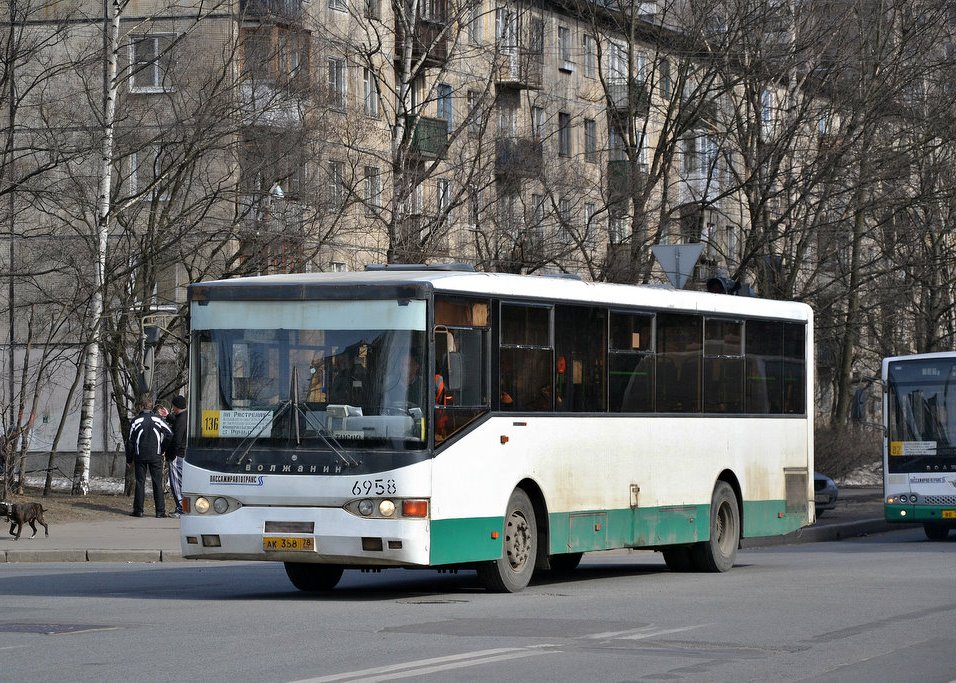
512, 571
719, 552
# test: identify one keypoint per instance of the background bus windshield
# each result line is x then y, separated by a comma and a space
921, 416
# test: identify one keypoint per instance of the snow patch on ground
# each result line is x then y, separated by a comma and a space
98, 485
868, 475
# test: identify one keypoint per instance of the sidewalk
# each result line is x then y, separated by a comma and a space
123, 539
859, 512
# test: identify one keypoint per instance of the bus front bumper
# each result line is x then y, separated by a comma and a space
283, 535
920, 513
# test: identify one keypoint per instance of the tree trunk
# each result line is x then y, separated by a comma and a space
81, 472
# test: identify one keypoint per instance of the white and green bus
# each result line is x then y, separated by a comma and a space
440, 417
919, 441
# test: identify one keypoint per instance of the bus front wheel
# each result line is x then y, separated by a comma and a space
935, 531
313, 578
512, 571
719, 552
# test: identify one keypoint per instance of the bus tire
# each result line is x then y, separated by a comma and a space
677, 558
935, 531
313, 578
512, 571
717, 554
565, 563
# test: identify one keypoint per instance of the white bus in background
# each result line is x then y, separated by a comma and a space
919, 441
439, 417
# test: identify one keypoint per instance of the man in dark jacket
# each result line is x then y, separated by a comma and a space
177, 449
149, 439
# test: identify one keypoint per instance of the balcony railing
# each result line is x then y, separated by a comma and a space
290, 10
631, 96
428, 42
624, 179
517, 158
429, 137
519, 68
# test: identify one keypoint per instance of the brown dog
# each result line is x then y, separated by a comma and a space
19, 514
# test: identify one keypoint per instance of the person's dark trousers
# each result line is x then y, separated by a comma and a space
154, 468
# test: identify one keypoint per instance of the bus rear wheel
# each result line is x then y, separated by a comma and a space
935, 531
719, 552
313, 578
512, 571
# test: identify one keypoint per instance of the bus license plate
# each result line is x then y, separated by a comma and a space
949, 514
288, 543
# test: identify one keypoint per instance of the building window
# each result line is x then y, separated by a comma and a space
337, 82
444, 104
564, 213
617, 229
474, 23
370, 85
442, 196
474, 206
564, 49
474, 114
373, 190
537, 123
150, 61
590, 139
590, 57
537, 213
666, 85
338, 5
373, 9
564, 134
147, 167
336, 184
337, 267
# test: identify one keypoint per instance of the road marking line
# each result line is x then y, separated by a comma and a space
435, 664
648, 631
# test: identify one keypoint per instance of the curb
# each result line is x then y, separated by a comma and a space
828, 532
92, 555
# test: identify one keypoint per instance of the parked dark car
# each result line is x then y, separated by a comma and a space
825, 493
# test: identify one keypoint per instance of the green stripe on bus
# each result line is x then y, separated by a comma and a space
472, 539
919, 513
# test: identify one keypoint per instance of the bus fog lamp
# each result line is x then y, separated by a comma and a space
365, 507
220, 505
386, 508
202, 505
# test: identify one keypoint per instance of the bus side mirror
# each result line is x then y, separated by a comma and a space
454, 371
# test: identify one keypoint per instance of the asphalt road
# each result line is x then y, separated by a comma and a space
871, 608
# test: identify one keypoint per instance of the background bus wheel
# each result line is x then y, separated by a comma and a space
512, 572
313, 578
566, 563
678, 558
718, 553
935, 531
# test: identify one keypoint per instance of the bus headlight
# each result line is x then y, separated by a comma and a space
365, 507
202, 505
220, 505
386, 508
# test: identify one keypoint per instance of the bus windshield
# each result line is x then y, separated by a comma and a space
921, 409
273, 378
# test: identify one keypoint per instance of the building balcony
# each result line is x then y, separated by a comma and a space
429, 137
286, 10
517, 158
624, 179
631, 97
428, 42
519, 68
